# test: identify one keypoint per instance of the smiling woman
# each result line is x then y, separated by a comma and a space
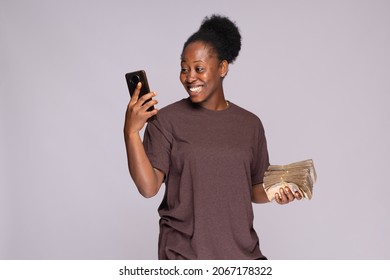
210, 153
205, 61
202, 75
315, 72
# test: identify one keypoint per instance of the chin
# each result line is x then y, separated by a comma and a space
197, 98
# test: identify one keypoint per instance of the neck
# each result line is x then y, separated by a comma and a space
215, 103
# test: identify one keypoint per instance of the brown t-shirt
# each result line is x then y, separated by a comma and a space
211, 160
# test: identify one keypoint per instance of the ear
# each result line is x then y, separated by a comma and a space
223, 68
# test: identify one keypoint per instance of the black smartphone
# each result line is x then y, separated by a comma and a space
132, 79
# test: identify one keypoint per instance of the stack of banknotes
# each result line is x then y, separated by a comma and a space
298, 176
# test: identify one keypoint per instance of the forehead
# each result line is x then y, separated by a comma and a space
198, 51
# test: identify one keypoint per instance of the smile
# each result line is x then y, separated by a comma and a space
195, 89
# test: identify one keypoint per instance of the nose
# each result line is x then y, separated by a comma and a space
190, 76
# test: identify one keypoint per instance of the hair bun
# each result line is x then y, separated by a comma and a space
227, 31
222, 34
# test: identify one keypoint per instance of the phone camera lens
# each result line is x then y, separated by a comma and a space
135, 79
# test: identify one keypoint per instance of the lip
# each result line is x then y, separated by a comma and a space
196, 92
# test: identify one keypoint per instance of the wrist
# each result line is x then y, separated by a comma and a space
131, 135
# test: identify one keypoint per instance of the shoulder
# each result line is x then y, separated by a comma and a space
246, 115
175, 108
168, 115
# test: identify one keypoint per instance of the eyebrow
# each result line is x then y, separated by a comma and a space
183, 60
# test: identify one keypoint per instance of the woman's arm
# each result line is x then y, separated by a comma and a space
258, 194
147, 179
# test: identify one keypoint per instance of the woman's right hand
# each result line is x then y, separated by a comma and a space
136, 113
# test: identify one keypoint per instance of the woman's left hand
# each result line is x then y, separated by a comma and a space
285, 196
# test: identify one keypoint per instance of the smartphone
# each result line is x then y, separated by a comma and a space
132, 79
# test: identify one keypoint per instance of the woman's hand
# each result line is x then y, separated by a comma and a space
285, 195
137, 114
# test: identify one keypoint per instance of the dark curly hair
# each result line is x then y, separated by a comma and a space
221, 34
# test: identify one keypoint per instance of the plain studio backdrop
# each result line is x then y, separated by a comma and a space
317, 73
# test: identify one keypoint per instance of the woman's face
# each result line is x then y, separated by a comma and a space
201, 75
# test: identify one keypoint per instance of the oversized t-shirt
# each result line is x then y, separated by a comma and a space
210, 159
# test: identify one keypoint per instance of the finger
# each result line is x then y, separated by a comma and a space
298, 195
135, 96
147, 106
146, 97
282, 196
151, 113
289, 194
278, 198
152, 102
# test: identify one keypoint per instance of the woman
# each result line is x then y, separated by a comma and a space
210, 153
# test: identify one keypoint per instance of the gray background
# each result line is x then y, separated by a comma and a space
315, 72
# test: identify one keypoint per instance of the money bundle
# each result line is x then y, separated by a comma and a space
298, 176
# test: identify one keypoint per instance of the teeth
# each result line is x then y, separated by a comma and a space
195, 89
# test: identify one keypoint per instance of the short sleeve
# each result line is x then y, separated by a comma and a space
157, 143
261, 159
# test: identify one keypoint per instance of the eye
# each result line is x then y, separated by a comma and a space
184, 70
199, 69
